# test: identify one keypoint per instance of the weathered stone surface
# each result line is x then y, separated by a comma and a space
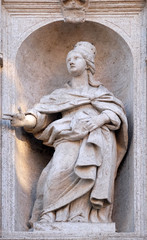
118, 29
101, 7
74, 11
77, 185
56, 81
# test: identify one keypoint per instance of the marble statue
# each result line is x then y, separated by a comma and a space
90, 141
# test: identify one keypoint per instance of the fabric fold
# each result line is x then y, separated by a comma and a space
98, 153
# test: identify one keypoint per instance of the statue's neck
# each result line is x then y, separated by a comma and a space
80, 81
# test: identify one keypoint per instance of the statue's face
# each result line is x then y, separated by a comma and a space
76, 64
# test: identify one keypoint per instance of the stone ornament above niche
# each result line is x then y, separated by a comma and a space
74, 10
74, 4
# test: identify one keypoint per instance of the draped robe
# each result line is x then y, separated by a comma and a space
84, 164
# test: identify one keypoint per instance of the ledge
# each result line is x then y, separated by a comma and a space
99, 236
95, 6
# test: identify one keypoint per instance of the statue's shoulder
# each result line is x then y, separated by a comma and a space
101, 89
54, 95
105, 93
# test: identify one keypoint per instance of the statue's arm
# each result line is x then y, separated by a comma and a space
29, 122
115, 120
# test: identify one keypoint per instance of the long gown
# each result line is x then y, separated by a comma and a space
78, 182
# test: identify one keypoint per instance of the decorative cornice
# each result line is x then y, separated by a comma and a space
94, 7
116, 6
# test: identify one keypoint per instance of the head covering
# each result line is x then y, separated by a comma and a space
88, 52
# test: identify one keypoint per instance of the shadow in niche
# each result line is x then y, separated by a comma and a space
123, 206
32, 158
41, 68
35, 144
43, 155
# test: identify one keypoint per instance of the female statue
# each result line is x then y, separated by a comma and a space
90, 140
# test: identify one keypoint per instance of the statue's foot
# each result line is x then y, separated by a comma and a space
42, 226
45, 222
47, 218
45, 226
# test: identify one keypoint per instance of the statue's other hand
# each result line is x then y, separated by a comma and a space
93, 122
90, 123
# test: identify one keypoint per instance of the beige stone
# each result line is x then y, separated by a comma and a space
30, 39
77, 185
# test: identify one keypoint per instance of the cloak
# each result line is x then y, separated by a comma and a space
100, 151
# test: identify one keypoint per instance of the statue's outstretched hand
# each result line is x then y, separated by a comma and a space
17, 119
20, 119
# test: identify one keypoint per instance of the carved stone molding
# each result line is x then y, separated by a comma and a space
69, 7
74, 10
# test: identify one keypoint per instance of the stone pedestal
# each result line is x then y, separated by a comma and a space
77, 229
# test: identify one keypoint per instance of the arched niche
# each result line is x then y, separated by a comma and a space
41, 68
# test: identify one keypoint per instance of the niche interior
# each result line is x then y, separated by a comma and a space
41, 68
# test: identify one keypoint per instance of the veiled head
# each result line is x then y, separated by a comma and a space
87, 51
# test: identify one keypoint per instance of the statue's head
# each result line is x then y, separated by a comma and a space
76, 64
86, 52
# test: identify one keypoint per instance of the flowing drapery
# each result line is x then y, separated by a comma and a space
84, 164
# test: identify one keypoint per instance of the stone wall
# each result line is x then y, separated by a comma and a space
33, 33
